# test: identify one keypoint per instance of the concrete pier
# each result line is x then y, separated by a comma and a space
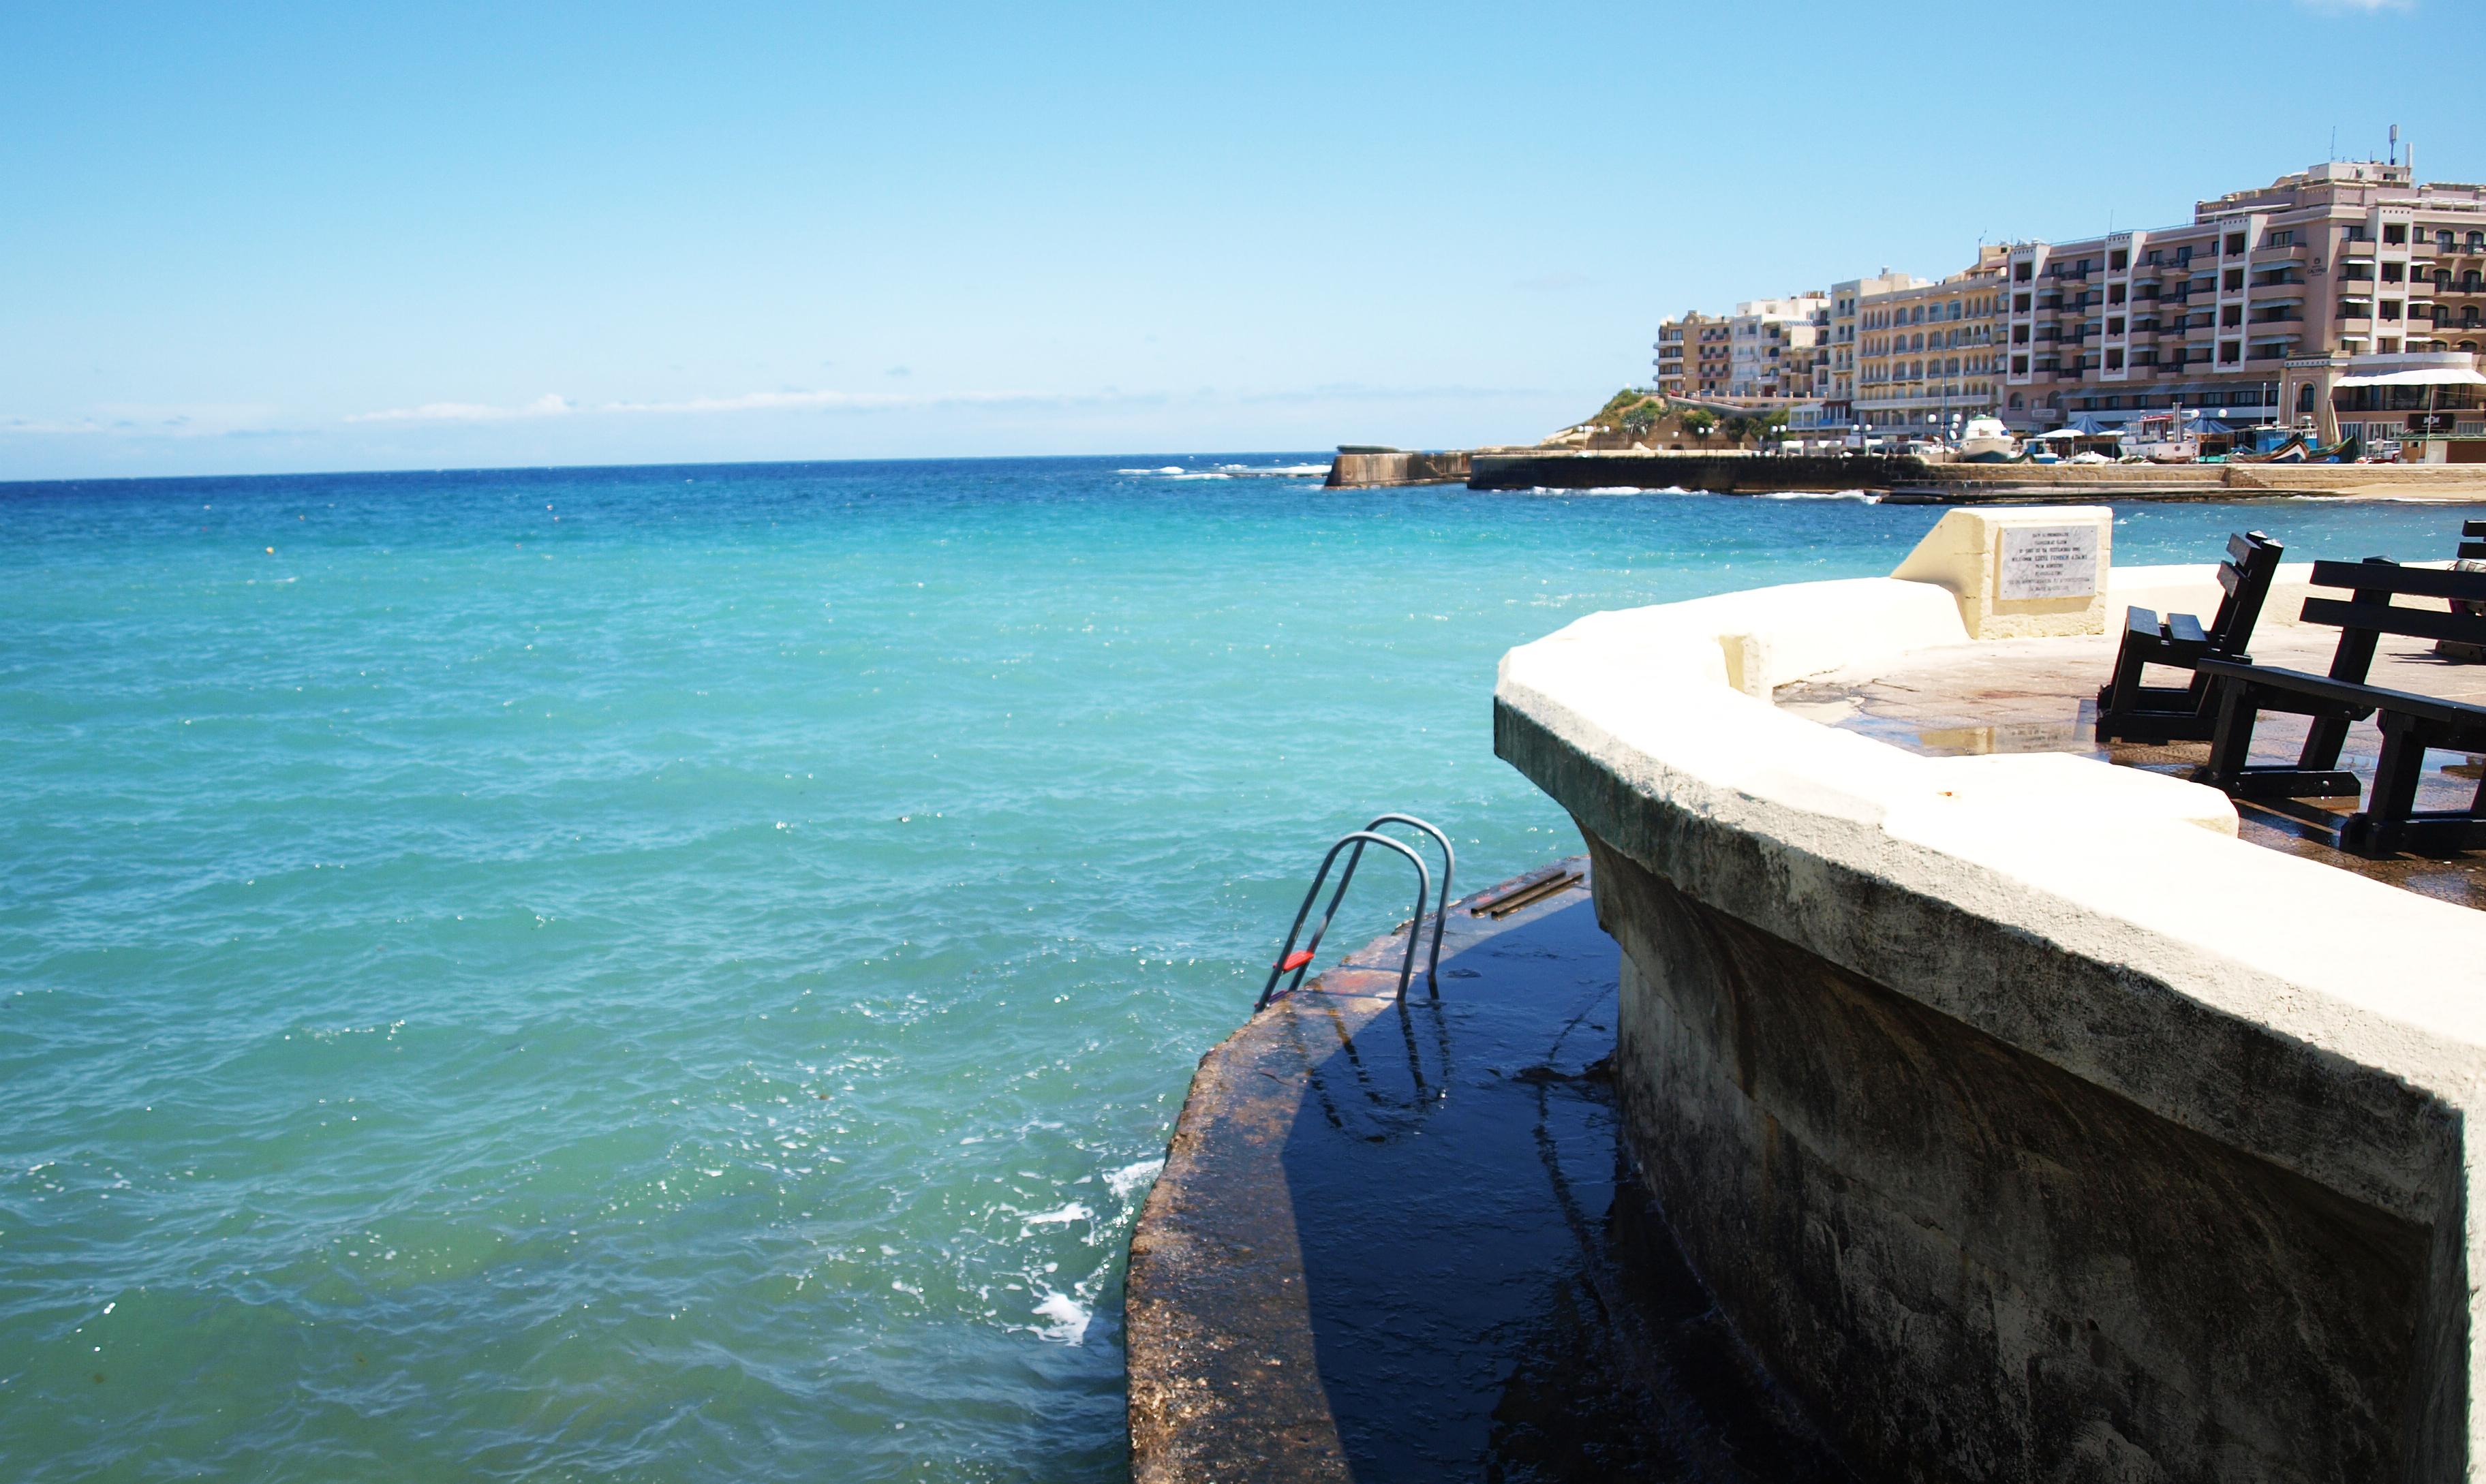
2027, 1122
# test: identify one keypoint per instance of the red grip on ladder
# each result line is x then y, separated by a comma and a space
1295, 960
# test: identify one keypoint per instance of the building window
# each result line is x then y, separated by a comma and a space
2235, 242
2396, 232
2236, 280
2231, 352
2118, 260
2022, 272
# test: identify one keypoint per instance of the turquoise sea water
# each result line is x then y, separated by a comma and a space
687, 974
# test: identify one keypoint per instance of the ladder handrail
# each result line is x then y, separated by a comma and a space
1442, 916
1300, 963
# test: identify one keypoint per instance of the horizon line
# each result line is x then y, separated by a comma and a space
7, 483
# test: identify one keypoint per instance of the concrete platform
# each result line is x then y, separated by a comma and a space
2038, 696
1401, 1241
2024, 1121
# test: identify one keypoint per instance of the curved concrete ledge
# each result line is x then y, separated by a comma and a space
2026, 1122
1399, 1241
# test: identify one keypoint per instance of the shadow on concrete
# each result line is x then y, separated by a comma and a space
1491, 1294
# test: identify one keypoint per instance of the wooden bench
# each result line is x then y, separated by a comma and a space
2127, 710
2410, 722
2470, 549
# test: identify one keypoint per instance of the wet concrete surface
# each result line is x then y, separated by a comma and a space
2040, 695
1400, 1241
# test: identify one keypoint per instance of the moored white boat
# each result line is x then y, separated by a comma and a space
2164, 438
1986, 441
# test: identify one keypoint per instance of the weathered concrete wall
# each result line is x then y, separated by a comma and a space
1981, 1265
2025, 1127
1356, 471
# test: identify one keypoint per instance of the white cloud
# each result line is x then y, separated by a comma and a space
548, 405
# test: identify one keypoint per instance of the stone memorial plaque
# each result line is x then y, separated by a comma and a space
2042, 562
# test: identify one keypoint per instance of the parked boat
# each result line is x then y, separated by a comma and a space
1986, 441
2166, 437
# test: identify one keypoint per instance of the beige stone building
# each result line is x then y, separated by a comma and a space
2257, 309
1929, 355
1838, 384
1695, 355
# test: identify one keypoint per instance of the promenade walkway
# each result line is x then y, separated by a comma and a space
2040, 695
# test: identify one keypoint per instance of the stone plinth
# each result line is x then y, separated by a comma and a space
2019, 572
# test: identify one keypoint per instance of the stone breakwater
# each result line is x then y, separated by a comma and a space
1381, 467
1902, 479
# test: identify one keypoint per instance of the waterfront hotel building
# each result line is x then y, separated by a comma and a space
1927, 355
2263, 308
1846, 315
2348, 296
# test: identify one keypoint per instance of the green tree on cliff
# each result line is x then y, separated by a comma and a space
1699, 424
1640, 420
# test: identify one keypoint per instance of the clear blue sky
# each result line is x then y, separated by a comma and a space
243, 237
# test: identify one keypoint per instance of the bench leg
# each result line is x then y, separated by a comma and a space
2231, 740
2381, 829
2322, 743
2121, 697
2230, 767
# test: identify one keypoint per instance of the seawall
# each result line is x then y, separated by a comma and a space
1904, 478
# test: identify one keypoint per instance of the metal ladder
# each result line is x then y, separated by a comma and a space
1298, 961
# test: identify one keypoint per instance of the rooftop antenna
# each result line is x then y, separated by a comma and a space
2395, 145
2334, 144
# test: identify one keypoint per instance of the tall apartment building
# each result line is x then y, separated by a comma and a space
1930, 354
1763, 332
2255, 308
1693, 355
1836, 385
